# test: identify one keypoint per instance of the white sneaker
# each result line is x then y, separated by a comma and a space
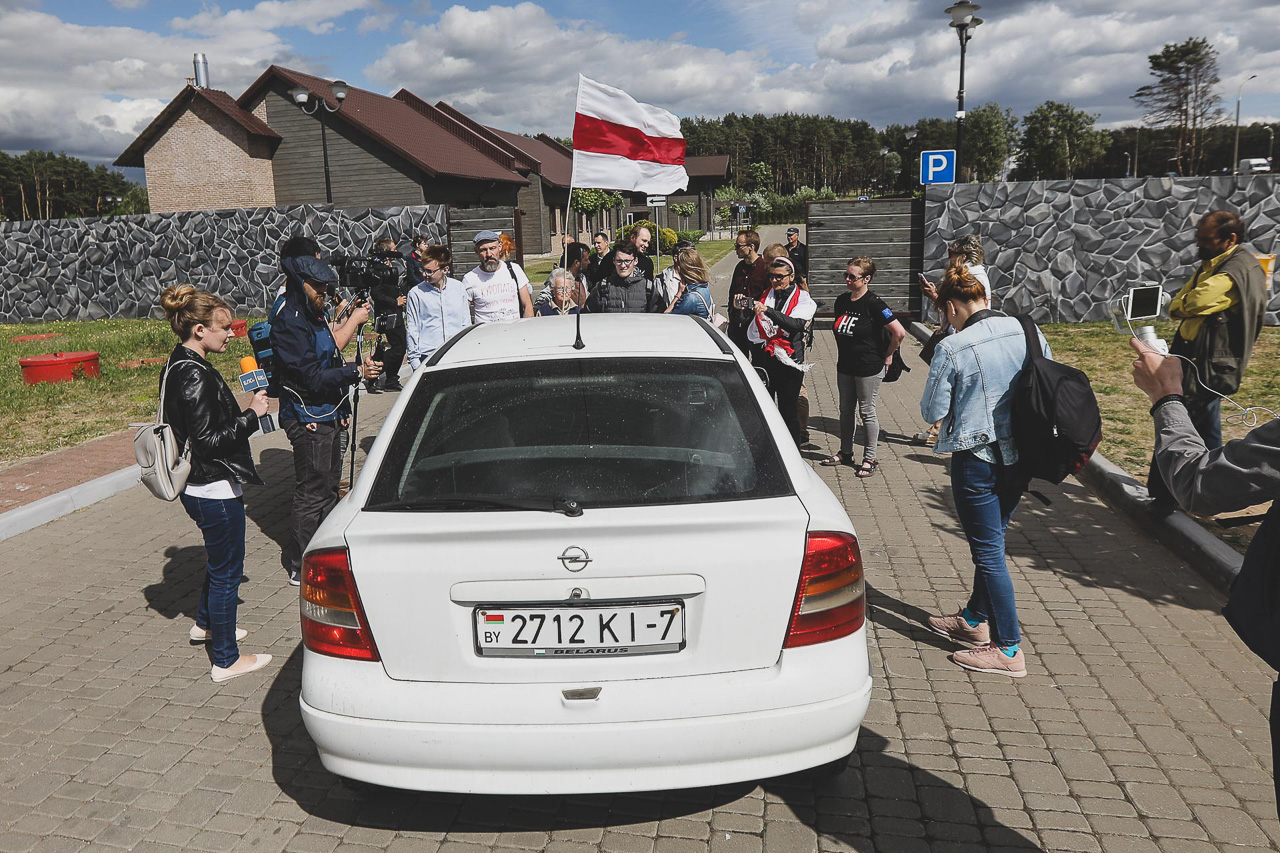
246, 664
201, 635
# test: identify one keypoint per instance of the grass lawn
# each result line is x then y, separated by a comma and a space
45, 417
1127, 433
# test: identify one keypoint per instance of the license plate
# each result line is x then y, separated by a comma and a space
609, 631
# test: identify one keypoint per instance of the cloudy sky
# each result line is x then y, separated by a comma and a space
84, 76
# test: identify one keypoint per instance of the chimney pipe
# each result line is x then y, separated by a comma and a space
201, 64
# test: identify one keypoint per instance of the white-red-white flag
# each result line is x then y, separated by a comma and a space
622, 144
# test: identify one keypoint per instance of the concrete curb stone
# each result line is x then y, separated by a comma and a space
1176, 531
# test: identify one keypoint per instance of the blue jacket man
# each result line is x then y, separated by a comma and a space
314, 388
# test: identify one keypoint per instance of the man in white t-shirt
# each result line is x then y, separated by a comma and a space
498, 290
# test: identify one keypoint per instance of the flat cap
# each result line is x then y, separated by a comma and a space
485, 237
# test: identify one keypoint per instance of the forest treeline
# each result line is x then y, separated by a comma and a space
45, 185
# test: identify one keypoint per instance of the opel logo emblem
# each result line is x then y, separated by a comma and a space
574, 558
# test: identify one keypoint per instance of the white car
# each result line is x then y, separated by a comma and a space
581, 571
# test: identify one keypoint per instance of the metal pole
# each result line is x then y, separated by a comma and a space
1235, 156
1136, 131
963, 32
324, 152
1271, 142
1126, 164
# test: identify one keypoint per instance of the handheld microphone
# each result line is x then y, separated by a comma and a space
252, 378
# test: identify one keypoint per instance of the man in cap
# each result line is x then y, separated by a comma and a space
314, 386
798, 252
499, 290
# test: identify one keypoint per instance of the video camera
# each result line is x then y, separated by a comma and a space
359, 274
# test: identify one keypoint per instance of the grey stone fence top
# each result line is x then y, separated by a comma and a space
1063, 250
117, 266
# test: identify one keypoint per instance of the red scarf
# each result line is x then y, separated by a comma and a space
779, 340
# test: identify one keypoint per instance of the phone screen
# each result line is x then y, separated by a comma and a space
1144, 302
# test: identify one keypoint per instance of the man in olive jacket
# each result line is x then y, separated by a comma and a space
1221, 308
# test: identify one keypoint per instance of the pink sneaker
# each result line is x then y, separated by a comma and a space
957, 628
991, 659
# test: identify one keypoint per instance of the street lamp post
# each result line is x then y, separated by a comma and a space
963, 21
1235, 159
1271, 142
319, 106
1126, 164
884, 166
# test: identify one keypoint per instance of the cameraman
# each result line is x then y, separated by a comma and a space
314, 387
388, 306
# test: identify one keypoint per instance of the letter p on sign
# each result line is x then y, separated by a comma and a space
938, 167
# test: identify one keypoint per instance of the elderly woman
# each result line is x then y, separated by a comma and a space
776, 332
970, 391
563, 289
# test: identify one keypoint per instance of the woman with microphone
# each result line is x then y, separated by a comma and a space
204, 415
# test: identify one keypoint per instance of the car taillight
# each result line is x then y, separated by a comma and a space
333, 621
830, 601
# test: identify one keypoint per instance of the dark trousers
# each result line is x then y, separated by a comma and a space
784, 386
1207, 419
317, 469
391, 351
221, 522
986, 495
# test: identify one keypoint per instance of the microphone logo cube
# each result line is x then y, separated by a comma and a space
253, 380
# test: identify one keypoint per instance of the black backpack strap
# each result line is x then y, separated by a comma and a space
1029, 329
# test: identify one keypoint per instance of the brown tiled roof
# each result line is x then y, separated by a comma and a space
397, 125
133, 155
461, 131
556, 160
714, 166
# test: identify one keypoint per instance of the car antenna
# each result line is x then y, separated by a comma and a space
578, 344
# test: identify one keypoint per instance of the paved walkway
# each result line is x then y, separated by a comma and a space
1142, 726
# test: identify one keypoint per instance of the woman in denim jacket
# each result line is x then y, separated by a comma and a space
970, 389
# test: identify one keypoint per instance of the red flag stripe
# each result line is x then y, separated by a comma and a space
605, 137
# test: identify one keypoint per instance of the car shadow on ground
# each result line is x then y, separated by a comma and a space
1054, 519
878, 802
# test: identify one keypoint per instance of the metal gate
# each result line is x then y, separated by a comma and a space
890, 232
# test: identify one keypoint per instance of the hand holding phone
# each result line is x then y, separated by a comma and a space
741, 301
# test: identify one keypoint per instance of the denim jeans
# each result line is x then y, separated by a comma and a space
858, 397
222, 524
986, 495
1207, 419
317, 470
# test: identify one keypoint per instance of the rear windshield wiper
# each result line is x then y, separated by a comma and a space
446, 503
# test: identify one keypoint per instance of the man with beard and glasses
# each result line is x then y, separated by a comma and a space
499, 290
314, 386
1221, 308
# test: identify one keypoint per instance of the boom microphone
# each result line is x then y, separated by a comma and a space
252, 378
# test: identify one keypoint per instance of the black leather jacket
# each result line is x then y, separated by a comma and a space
201, 408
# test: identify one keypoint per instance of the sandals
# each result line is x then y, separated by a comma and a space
839, 458
867, 468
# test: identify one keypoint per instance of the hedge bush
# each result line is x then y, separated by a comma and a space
693, 235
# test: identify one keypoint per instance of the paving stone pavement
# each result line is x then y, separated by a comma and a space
1141, 727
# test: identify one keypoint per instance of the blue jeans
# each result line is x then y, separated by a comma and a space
222, 523
986, 495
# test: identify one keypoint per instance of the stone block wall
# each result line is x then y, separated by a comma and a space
117, 266
1063, 250
206, 160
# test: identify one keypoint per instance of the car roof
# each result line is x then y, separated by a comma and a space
631, 335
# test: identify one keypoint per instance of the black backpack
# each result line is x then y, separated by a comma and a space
1056, 422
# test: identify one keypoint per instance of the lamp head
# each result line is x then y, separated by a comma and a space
962, 14
340, 89
300, 95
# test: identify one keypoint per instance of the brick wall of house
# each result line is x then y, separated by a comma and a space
206, 161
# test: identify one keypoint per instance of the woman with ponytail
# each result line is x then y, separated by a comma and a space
205, 417
970, 391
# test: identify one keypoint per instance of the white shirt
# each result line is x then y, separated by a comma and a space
494, 296
222, 490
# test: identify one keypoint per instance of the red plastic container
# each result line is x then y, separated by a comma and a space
59, 367
240, 328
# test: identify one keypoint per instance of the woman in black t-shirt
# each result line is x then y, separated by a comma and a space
861, 322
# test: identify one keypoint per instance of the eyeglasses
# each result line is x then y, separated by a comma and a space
779, 276
739, 246
624, 262
851, 277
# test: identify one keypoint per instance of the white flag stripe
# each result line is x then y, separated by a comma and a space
610, 104
613, 172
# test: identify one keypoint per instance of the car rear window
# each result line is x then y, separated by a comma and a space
600, 432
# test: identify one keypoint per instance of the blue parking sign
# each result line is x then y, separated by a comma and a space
938, 167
